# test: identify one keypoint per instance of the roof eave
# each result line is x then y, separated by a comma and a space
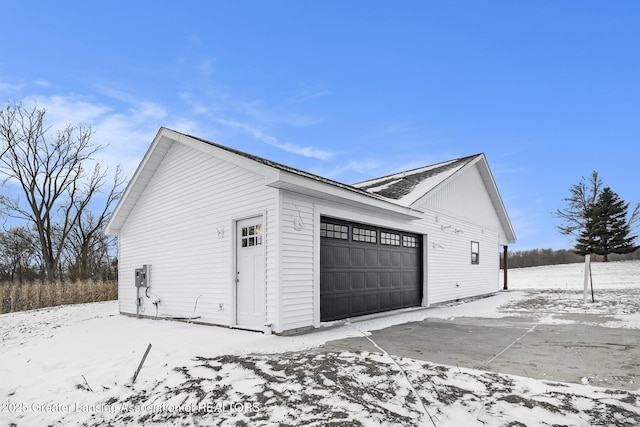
302, 185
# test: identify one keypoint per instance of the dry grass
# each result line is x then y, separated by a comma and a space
29, 296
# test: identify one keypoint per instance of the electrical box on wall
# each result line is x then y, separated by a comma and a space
142, 276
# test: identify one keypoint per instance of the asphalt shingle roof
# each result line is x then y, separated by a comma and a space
393, 187
402, 184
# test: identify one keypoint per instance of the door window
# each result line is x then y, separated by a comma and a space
252, 235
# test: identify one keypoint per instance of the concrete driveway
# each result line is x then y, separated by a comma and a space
575, 353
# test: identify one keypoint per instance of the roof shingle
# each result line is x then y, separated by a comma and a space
402, 184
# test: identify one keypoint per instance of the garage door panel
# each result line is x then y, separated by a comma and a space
408, 278
338, 304
357, 257
372, 280
408, 297
409, 260
372, 303
396, 259
386, 301
372, 268
372, 258
335, 256
384, 258
334, 282
385, 280
397, 298
358, 280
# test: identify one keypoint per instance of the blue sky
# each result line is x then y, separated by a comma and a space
548, 90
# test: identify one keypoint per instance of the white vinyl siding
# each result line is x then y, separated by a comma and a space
296, 293
451, 274
461, 212
182, 226
465, 196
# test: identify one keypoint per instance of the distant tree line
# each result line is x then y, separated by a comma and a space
538, 257
55, 201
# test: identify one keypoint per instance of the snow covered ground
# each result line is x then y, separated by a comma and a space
606, 275
73, 365
551, 291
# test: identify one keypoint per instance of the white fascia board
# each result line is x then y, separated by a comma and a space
224, 155
138, 182
501, 210
298, 184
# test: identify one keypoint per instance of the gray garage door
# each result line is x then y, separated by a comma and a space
366, 269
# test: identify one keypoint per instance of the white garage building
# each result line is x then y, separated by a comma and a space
222, 237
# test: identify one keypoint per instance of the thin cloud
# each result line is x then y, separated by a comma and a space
256, 111
359, 168
289, 147
9, 87
67, 109
43, 83
124, 136
509, 171
309, 91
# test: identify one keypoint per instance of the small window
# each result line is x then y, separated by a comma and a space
475, 253
391, 239
252, 236
334, 231
409, 242
365, 235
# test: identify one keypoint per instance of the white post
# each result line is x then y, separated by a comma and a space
587, 260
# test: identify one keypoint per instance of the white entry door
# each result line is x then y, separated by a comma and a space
250, 276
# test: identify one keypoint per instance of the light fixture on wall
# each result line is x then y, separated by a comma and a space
298, 223
220, 232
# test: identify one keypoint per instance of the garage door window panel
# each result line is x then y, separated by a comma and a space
391, 239
409, 241
334, 231
364, 235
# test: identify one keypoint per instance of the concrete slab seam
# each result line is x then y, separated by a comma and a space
509, 346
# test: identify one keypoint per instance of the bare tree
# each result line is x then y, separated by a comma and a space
18, 254
50, 176
88, 247
583, 196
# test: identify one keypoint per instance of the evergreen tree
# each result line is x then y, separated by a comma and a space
606, 229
